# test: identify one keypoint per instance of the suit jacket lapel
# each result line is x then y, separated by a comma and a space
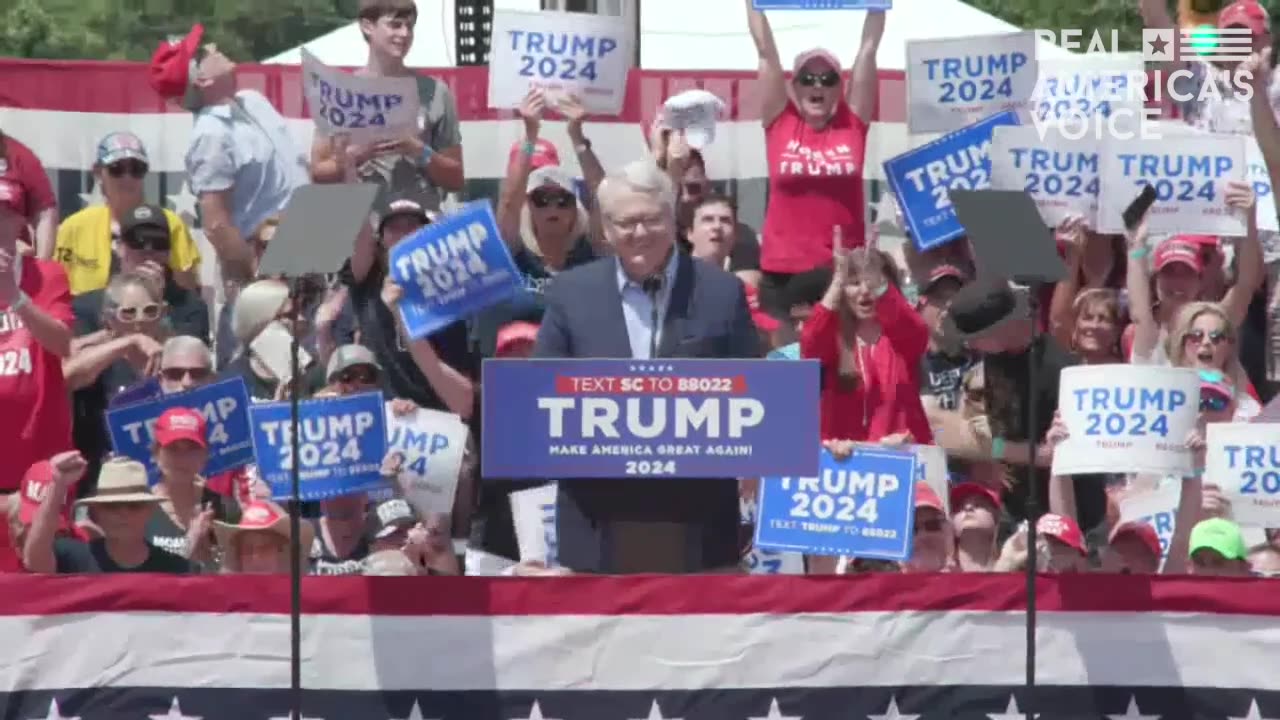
673, 324
614, 331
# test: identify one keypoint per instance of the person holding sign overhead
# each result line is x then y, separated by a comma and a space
427, 164
815, 140
648, 301
870, 343
541, 218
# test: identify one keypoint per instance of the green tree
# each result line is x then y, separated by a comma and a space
245, 30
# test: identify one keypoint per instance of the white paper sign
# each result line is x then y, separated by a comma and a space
1243, 459
581, 54
1059, 173
1157, 508
954, 82
1189, 174
1268, 222
433, 444
366, 108
1087, 89
1127, 419
533, 512
773, 562
931, 467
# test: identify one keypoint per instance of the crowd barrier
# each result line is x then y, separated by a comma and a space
612, 648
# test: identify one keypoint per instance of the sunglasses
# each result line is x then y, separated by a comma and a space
178, 374
360, 374
827, 79
1213, 402
544, 199
694, 188
146, 241
931, 525
141, 313
132, 168
1216, 337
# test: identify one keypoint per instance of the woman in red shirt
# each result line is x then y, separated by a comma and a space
870, 343
815, 141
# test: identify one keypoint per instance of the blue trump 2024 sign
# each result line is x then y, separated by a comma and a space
451, 269
922, 179
662, 418
224, 405
863, 506
342, 444
822, 4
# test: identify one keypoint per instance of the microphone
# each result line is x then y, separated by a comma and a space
652, 285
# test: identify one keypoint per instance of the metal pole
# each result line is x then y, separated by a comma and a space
1033, 492
295, 516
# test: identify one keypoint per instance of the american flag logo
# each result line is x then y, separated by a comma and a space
1205, 43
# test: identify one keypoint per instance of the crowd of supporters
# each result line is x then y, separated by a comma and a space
106, 304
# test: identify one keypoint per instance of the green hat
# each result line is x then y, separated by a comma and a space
1221, 536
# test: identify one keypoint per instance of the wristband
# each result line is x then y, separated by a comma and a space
427, 152
997, 448
1138, 253
22, 301
529, 148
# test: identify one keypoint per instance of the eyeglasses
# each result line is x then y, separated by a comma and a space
1216, 337
930, 525
828, 79
146, 240
132, 168
654, 223
546, 199
975, 394
140, 313
1213, 402
178, 374
358, 374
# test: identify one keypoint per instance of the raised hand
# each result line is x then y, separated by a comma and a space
1239, 195
535, 103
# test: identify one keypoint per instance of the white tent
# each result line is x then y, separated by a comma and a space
699, 34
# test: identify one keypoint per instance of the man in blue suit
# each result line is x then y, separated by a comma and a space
647, 301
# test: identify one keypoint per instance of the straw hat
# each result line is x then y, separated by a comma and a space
261, 516
121, 480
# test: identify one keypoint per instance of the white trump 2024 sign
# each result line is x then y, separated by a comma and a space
954, 82
1243, 459
1059, 173
1127, 418
566, 53
1082, 90
367, 109
1189, 174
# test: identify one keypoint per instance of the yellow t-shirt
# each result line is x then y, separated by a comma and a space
84, 248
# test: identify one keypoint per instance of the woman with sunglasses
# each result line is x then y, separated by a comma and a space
1178, 270
815, 140
88, 238
541, 218
1204, 338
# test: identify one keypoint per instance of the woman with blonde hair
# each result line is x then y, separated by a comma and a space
265, 306
1204, 338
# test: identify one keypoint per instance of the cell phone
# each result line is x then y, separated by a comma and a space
273, 346
1137, 209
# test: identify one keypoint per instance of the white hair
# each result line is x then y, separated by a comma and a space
640, 177
183, 344
255, 308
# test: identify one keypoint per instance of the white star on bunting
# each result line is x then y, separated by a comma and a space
1254, 712
775, 713
94, 197
535, 713
1012, 712
1132, 713
416, 713
291, 716
55, 713
891, 713
184, 203
175, 713
655, 713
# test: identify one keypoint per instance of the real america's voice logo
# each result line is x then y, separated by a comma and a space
1215, 45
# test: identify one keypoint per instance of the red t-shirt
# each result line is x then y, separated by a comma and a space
815, 183
23, 167
35, 413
